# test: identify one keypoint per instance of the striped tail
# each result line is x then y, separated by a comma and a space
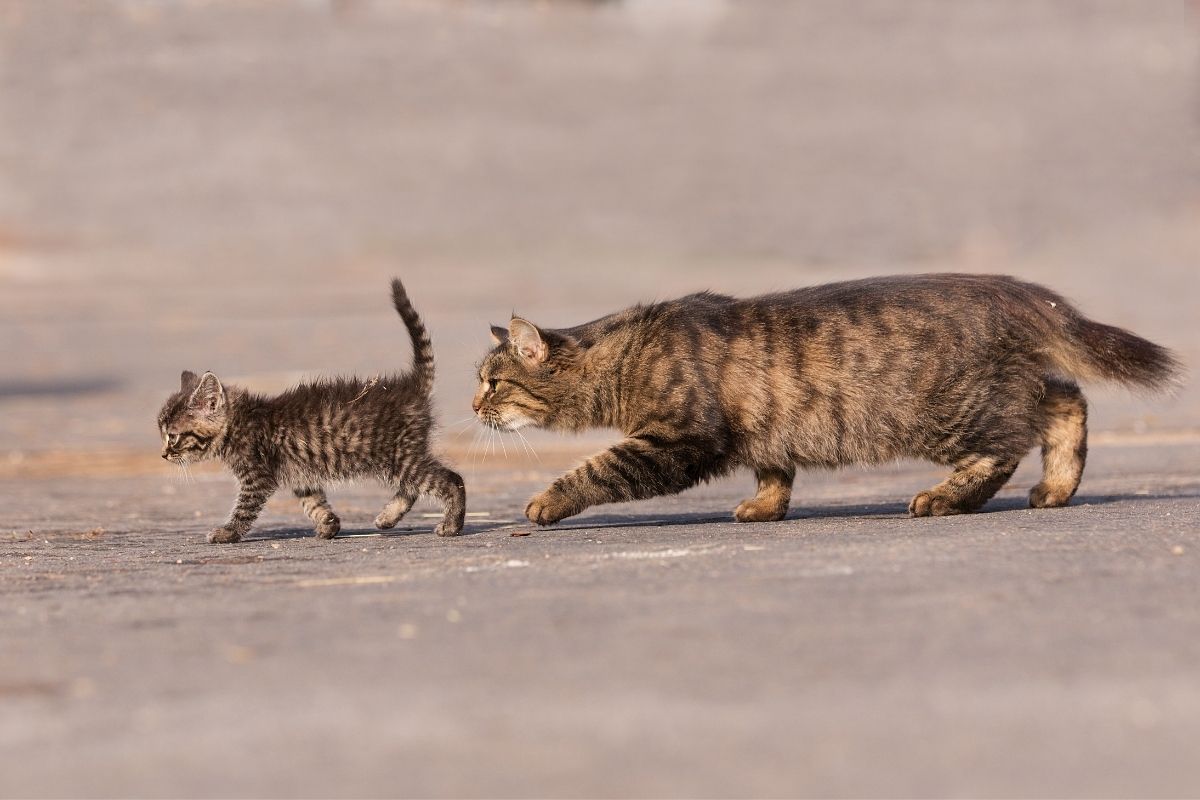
1120, 356
422, 347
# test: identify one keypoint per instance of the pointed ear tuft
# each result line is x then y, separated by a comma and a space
527, 340
209, 395
499, 335
187, 381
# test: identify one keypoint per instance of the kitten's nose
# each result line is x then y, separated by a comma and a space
164, 455
476, 404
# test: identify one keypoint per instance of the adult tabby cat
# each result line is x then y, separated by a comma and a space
969, 371
316, 433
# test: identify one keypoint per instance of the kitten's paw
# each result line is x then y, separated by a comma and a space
928, 504
328, 527
755, 510
385, 521
223, 536
448, 528
1043, 496
549, 507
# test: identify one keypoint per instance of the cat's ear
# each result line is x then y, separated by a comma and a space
187, 381
527, 341
499, 335
209, 396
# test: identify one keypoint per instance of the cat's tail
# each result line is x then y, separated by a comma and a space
1085, 349
422, 346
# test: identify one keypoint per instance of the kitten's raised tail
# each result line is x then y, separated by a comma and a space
422, 346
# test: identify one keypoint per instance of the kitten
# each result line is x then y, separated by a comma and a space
316, 433
964, 370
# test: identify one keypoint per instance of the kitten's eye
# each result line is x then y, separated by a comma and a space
492, 384
173, 439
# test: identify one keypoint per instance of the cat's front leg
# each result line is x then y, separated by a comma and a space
253, 492
634, 469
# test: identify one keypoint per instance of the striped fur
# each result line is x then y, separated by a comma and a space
967, 371
317, 433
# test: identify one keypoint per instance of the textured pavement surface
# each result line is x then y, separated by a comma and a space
655, 648
229, 186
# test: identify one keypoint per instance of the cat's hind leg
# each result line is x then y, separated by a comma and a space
396, 508
1062, 425
971, 485
770, 503
316, 506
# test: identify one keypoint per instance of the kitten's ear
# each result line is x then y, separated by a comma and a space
499, 335
527, 341
187, 381
209, 395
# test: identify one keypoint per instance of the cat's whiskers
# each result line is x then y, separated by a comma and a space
529, 446
473, 450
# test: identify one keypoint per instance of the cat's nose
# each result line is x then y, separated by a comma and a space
476, 404
164, 455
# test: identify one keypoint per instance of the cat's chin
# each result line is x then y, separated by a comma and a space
515, 424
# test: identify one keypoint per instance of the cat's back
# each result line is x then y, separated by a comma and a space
945, 294
938, 294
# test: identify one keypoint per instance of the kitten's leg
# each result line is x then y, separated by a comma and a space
634, 469
396, 508
967, 489
447, 486
1062, 417
771, 501
252, 495
316, 506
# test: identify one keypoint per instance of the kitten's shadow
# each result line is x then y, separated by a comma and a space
276, 534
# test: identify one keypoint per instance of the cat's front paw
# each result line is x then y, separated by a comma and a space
550, 506
223, 536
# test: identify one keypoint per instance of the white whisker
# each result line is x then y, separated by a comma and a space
529, 446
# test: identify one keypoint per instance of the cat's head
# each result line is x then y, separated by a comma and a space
530, 378
193, 420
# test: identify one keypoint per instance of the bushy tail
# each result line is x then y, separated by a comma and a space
1114, 354
1084, 349
422, 347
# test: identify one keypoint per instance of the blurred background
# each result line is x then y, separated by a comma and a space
229, 185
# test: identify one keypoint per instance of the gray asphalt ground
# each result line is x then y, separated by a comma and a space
650, 649
230, 185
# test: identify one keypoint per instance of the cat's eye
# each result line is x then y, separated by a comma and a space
173, 439
492, 384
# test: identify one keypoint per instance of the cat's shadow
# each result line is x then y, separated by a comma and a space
897, 511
